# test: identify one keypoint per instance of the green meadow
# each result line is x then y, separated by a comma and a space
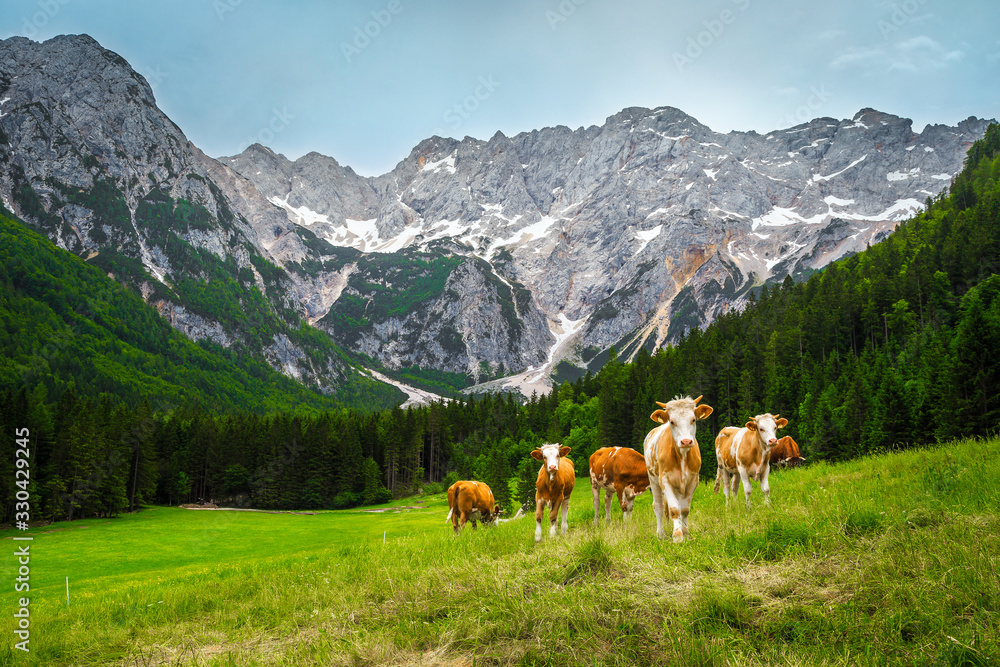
885, 560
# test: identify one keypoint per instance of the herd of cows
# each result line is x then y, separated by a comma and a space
669, 466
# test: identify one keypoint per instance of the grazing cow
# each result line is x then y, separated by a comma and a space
620, 470
471, 500
673, 460
747, 451
556, 479
786, 454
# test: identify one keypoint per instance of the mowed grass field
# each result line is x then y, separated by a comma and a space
893, 559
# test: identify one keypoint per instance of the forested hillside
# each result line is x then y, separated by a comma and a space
895, 346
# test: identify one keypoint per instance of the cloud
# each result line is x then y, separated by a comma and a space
833, 33
856, 56
923, 53
916, 54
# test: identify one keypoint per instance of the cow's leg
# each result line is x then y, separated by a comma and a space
607, 505
596, 489
765, 489
675, 511
454, 520
539, 510
553, 517
565, 513
685, 507
726, 487
654, 486
747, 488
736, 478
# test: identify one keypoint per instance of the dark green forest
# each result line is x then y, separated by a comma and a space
893, 347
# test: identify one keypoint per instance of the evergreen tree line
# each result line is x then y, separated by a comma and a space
895, 346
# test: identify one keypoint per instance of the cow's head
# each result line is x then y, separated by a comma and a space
628, 498
681, 414
789, 449
550, 454
766, 427
493, 515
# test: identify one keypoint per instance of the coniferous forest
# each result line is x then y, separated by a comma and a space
893, 347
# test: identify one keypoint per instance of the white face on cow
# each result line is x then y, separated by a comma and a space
681, 415
767, 426
549, 455
628, 498
683, 426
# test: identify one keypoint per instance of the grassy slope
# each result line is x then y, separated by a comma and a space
62, 320
885, 560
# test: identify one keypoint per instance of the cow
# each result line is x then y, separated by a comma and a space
554, 486
747, 451
673, 460
786, 454
471, 500
618, 470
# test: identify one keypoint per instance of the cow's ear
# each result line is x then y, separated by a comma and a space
781, 423
563, 451
751, 425
536, 454
660, 417
703, 411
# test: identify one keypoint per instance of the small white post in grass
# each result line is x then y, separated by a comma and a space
383, 538
67, 591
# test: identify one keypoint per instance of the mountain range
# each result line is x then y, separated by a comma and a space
472, 261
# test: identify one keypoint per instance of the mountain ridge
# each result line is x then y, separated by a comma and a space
626, 234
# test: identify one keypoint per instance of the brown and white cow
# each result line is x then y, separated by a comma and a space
673, 460
471, 501
554, 486
786, 454
747, 451
618, 470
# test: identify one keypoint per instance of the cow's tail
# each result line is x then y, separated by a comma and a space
450, 512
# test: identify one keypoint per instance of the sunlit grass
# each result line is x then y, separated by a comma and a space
885, 560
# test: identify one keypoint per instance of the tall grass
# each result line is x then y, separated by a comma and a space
888, 560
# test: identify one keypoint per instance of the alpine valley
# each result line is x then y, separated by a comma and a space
499, 263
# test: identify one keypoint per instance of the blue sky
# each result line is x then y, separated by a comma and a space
365, 81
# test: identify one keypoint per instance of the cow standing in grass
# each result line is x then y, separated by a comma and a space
618, 470
673, 460
554, 486
747, 451
786, 454
471, 501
